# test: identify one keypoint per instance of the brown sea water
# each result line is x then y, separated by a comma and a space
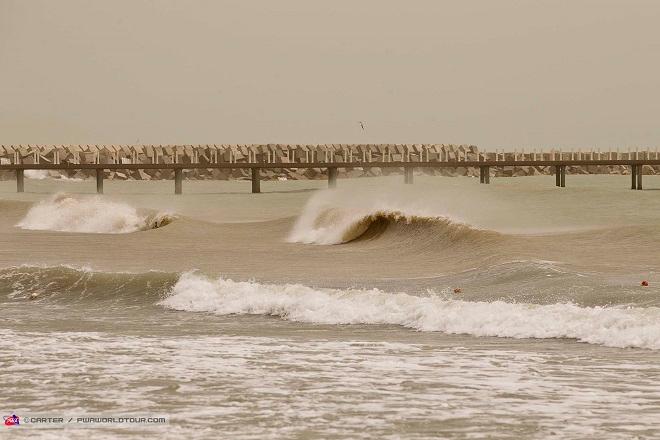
307, 313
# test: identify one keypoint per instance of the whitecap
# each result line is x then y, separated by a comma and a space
610, 326
65, 213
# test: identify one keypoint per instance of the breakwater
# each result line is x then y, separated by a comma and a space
288, 154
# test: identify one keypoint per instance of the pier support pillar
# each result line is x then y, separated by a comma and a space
639, 176
332, 177
99, 181
562, 175
484, 175
256, 181
20, 181
178, 181
408, 175
557, 175
633, 175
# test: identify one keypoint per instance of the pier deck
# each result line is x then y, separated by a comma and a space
407, 167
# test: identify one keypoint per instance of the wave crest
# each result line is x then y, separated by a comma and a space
337, 226
613, 326
65, 213
610, 326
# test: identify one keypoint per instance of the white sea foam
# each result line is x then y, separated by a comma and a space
610, 326
36, 174
89, 214
44, 174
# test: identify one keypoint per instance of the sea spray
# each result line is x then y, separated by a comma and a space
36, 174
336, 217
333, 219
53, 174
94, 214
610, 326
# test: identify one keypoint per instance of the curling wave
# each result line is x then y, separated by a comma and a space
65, 213
337, 226
610, 326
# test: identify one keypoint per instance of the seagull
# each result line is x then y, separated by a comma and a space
361, 125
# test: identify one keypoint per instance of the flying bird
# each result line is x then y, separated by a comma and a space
361, 125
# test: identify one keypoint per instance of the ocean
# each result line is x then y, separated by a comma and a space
442, 309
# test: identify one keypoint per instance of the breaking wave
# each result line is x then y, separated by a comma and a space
614, 326
336, 217
610, 326
65, 213
337, 226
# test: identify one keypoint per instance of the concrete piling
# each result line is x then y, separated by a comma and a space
633, 175
557, 175
332, 177
639, 177
484, 175
178, 181
487, 175
20, 181
408, 175
99, 181
562, 179
256, 180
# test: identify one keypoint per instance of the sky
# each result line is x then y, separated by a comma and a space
493, 73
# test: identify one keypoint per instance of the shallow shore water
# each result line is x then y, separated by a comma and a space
377, 310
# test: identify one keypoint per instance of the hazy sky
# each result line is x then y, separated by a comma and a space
496, 73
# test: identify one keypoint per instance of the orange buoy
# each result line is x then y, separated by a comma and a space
645, 283
457, 290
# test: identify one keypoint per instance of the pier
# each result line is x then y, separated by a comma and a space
332, 168
259, 159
